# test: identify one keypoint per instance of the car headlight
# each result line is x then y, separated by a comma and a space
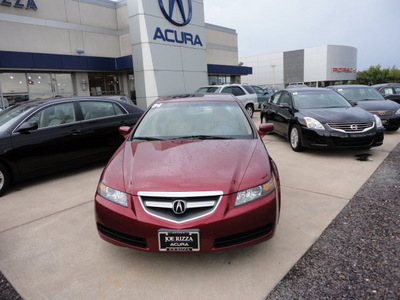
255, 193
112, 195
378, 121
397, 112
313, 124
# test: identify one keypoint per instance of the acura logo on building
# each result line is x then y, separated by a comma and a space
179, 206
179, 17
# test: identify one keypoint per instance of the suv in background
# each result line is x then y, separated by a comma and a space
389, 91
243, 92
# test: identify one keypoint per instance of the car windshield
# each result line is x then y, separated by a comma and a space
360, 93
8, 115
311, 99
206, 89
194, 120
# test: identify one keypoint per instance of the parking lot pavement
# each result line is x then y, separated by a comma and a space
49, 247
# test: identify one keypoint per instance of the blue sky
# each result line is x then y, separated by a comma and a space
266, 26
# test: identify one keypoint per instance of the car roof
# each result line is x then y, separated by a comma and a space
385, 84
197, 97
308, 89
38, 102
347, 86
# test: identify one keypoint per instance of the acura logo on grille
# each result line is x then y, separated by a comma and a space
353, 127
179, 206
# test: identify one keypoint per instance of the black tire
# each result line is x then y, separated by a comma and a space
5, 178
263, 120
250, 110
394, 128
295, 138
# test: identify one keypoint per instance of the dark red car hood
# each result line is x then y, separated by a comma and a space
182, 166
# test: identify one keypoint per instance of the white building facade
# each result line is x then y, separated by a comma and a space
315, 66
92, 47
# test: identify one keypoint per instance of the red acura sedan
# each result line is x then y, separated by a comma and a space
193, 175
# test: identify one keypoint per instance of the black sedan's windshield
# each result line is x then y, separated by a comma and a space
312, 99
194, 121
360, 93
11, 113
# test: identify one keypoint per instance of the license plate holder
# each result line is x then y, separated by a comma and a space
186, 240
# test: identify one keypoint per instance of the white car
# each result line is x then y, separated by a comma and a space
243, 92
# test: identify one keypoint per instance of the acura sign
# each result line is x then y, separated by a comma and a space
179, 19
178, 13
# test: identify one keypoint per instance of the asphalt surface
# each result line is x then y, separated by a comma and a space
356, 257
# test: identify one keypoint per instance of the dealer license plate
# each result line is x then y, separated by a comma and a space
179, 240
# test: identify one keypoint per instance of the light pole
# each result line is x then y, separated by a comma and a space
273, 75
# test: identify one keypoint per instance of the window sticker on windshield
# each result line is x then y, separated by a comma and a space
340, 90
157, 105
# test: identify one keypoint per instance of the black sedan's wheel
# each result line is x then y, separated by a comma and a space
5, 178
250, 109
263, 120
295, 139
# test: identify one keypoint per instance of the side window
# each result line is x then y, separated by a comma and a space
237, 91
284, 99
55, 115
249, 89
387, 91
397, 90
227, 90
94, 110
275, 98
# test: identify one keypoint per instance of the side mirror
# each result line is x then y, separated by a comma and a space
284, 105
28, 126
265, 129
124, 131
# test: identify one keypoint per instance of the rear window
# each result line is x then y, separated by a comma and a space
204, 90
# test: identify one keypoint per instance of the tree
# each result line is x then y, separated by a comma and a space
374, 75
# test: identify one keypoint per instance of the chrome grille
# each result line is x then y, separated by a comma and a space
352, 127
179, 207
383, 112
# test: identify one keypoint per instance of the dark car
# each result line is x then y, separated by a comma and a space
47, 135
193, 175
390, 91
320, 118
369, 99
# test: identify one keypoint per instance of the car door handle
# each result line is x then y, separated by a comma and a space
75, 132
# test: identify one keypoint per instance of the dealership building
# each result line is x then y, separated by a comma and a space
315, 66
141, 48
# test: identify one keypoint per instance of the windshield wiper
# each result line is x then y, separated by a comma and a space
201, 137
147, 138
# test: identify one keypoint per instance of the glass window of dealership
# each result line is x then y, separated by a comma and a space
83, 48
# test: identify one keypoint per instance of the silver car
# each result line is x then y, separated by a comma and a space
243, 92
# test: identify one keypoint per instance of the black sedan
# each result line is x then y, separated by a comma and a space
389, 91
47, 135
369, 99
320, 118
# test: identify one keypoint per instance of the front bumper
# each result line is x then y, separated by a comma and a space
332, 139
226, 227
